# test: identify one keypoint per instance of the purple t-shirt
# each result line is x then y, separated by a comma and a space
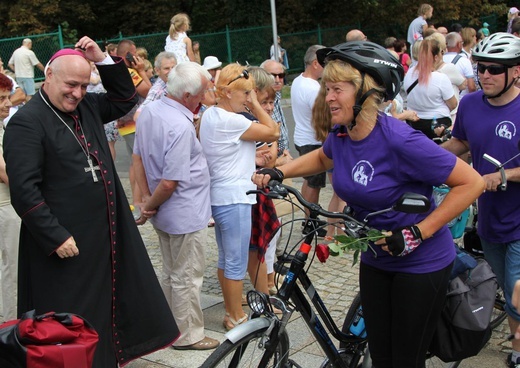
493, 130
371, 175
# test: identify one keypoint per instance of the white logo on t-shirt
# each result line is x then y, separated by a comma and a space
505, 129
363, 172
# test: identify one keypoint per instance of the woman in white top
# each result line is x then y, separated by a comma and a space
177, 41
432, 96
228, 140
458, 81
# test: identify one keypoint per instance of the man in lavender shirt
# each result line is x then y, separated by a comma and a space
173, 175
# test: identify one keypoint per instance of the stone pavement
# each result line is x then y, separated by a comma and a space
337, 283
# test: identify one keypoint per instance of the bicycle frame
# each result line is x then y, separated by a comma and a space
291, 296
319, 332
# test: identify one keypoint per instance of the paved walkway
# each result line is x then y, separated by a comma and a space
337, 283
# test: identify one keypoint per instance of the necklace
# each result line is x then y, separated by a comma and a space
91, 168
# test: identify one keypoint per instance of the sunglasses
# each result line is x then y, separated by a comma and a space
244, 74
492, 69
279, 75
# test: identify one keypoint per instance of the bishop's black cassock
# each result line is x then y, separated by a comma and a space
112, 282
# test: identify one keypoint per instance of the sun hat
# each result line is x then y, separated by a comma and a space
211, 62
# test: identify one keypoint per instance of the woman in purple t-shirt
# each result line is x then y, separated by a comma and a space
376, 159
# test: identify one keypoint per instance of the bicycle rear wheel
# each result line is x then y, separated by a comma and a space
247, 353
499, 312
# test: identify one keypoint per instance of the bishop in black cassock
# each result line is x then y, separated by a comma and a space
64, 184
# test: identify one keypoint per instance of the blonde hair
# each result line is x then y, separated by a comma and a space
321, 117
440, 39
147, 65
467, 35
225, 81
340, 71
177, 21
423, 9
262, 78
429, 49
415, 49
141, 52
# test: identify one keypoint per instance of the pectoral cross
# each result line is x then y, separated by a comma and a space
92, 169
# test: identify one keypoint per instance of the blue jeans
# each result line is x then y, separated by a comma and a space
504, 259
27, 84
233, 234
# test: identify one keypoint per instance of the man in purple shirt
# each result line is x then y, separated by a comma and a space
173, 175
488, 121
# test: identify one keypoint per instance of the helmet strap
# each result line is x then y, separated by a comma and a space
506, 88
359, 105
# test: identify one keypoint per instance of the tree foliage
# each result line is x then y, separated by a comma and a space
103, 19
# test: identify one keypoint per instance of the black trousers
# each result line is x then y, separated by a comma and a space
401, 312
425, 125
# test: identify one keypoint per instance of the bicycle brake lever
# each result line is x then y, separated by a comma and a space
276, 190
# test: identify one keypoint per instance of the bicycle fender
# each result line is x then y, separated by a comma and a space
246, 328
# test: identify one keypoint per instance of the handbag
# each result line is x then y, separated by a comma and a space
51, 340
285, 206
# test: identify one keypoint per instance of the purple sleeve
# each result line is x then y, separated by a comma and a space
327, 147
458, 130
423, 160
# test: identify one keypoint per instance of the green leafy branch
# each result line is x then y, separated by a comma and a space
344, 243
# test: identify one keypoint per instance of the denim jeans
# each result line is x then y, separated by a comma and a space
504, 259
233, 233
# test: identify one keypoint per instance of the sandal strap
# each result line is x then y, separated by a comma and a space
240, 321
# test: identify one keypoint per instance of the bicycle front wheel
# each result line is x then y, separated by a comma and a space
247, 353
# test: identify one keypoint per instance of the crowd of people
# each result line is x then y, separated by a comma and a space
201, 135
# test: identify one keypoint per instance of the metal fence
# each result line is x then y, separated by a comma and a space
43, 45
250, 45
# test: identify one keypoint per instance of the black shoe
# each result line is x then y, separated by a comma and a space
511, 364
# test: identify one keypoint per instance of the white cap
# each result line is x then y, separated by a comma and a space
211, 62
513, 10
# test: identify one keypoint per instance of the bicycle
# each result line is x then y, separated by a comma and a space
263, 340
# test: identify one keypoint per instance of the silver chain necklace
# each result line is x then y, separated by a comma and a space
91, 168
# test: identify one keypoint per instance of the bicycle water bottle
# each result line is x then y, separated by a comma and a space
434, 123
297, 265
358, 324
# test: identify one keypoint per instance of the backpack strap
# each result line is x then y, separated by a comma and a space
412, 86
456, 59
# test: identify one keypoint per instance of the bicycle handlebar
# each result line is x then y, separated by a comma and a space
279, 190
499, 167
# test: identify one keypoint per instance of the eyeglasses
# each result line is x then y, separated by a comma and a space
244, 74
492, 69
279, 75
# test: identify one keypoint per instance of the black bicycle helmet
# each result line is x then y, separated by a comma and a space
369, 58
501, 48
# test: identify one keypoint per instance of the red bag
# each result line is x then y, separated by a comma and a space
51, 340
